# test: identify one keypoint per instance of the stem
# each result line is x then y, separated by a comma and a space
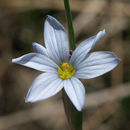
74, 117
70, 25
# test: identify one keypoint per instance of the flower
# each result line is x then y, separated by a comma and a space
61, 69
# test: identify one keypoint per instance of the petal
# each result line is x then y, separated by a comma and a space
81, 51
96, 64
56, 40
43, 87
39, 49
37, 61
75, 91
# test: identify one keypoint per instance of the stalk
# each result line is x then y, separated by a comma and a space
74, 117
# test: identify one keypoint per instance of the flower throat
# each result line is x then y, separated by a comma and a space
66, 70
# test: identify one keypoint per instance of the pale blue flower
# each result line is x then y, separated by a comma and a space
61, 70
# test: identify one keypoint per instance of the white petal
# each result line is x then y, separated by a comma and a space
43, 87
81, 51
75, 91
37, 61
39, 49
56, 40
96, 64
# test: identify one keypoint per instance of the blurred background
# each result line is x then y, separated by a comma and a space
108, 97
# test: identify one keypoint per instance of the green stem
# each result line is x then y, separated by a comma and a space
70, 25
74, 117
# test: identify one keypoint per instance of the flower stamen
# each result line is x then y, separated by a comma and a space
66, 70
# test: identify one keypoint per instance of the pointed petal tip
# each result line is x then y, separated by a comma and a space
79, 109
13, 60
49, 17
28, 100
103, 32
54, 23
118, 60
34, 43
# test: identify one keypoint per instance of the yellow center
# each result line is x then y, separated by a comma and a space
66, 70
